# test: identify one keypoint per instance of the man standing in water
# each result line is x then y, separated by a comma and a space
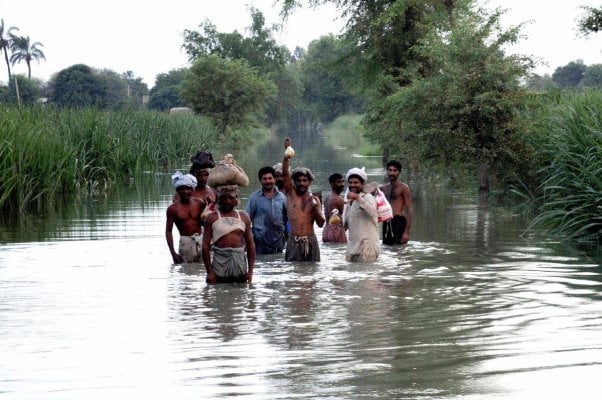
397, 229
333, 211
186, 214
361, 217
200, 170
303, 209
267, 209
228, 234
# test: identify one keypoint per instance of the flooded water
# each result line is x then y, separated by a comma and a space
91, 307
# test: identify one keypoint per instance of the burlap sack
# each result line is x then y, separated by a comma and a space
227, 173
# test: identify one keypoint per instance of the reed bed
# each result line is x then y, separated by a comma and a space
49, 152
568, 139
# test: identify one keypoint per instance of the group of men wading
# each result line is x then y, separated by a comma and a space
280, 216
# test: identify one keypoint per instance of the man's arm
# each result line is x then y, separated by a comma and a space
409, 212
177, 259
206, 249
317, 211
286, 175
250, 244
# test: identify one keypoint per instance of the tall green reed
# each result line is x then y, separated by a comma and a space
568, 139
49, 152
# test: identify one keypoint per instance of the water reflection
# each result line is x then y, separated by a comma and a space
91, 307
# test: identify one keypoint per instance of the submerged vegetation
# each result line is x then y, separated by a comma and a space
47, 153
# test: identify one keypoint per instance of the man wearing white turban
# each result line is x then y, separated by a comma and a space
185, 213
361, 218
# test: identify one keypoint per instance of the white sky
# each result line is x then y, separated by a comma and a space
146, 36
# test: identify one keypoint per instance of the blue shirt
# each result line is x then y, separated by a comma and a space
267, 216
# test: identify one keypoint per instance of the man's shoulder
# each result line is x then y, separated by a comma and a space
255, 194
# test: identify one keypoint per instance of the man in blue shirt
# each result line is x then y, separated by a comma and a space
267, 209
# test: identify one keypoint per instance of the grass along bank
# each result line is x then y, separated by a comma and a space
567, 137
47, 152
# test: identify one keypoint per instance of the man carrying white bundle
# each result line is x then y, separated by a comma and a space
360, 217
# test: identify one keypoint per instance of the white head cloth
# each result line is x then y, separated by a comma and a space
178, 179
361, 172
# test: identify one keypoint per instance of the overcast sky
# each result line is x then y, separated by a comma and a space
146, 36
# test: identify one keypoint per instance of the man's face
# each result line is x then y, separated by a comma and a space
279, 180
355, 185
226, 202
202, 175
184, 192
392, 173
302, 183
267, 182
338, 185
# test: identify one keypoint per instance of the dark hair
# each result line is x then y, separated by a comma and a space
204, 158
395, 164
196, 165
266, 170
334, 177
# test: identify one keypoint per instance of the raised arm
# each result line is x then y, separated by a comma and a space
286, 175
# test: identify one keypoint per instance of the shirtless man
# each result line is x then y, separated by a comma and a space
186, 214
333, 231
228, 233
303, 209
200, 170
397, 230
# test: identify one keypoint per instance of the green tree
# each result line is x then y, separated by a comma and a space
570, 75
24, 50
538, 83
592, 76
165, 94
78, 86
30, 90
467, 111
590, 21
259, 49
116, 89
230, 92
6, 37
286, 108
326, 95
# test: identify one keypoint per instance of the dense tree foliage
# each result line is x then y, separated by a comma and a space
78, 86
260, 49
229, 92
593, 76
325, 92
165, 94
82, 86
466, 111
540, 83
438, 86
570, 75
30, 90
591, 20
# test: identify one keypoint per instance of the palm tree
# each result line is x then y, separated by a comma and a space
24, 51
6, 38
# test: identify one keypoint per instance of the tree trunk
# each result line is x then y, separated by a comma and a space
17, 91
483, 177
